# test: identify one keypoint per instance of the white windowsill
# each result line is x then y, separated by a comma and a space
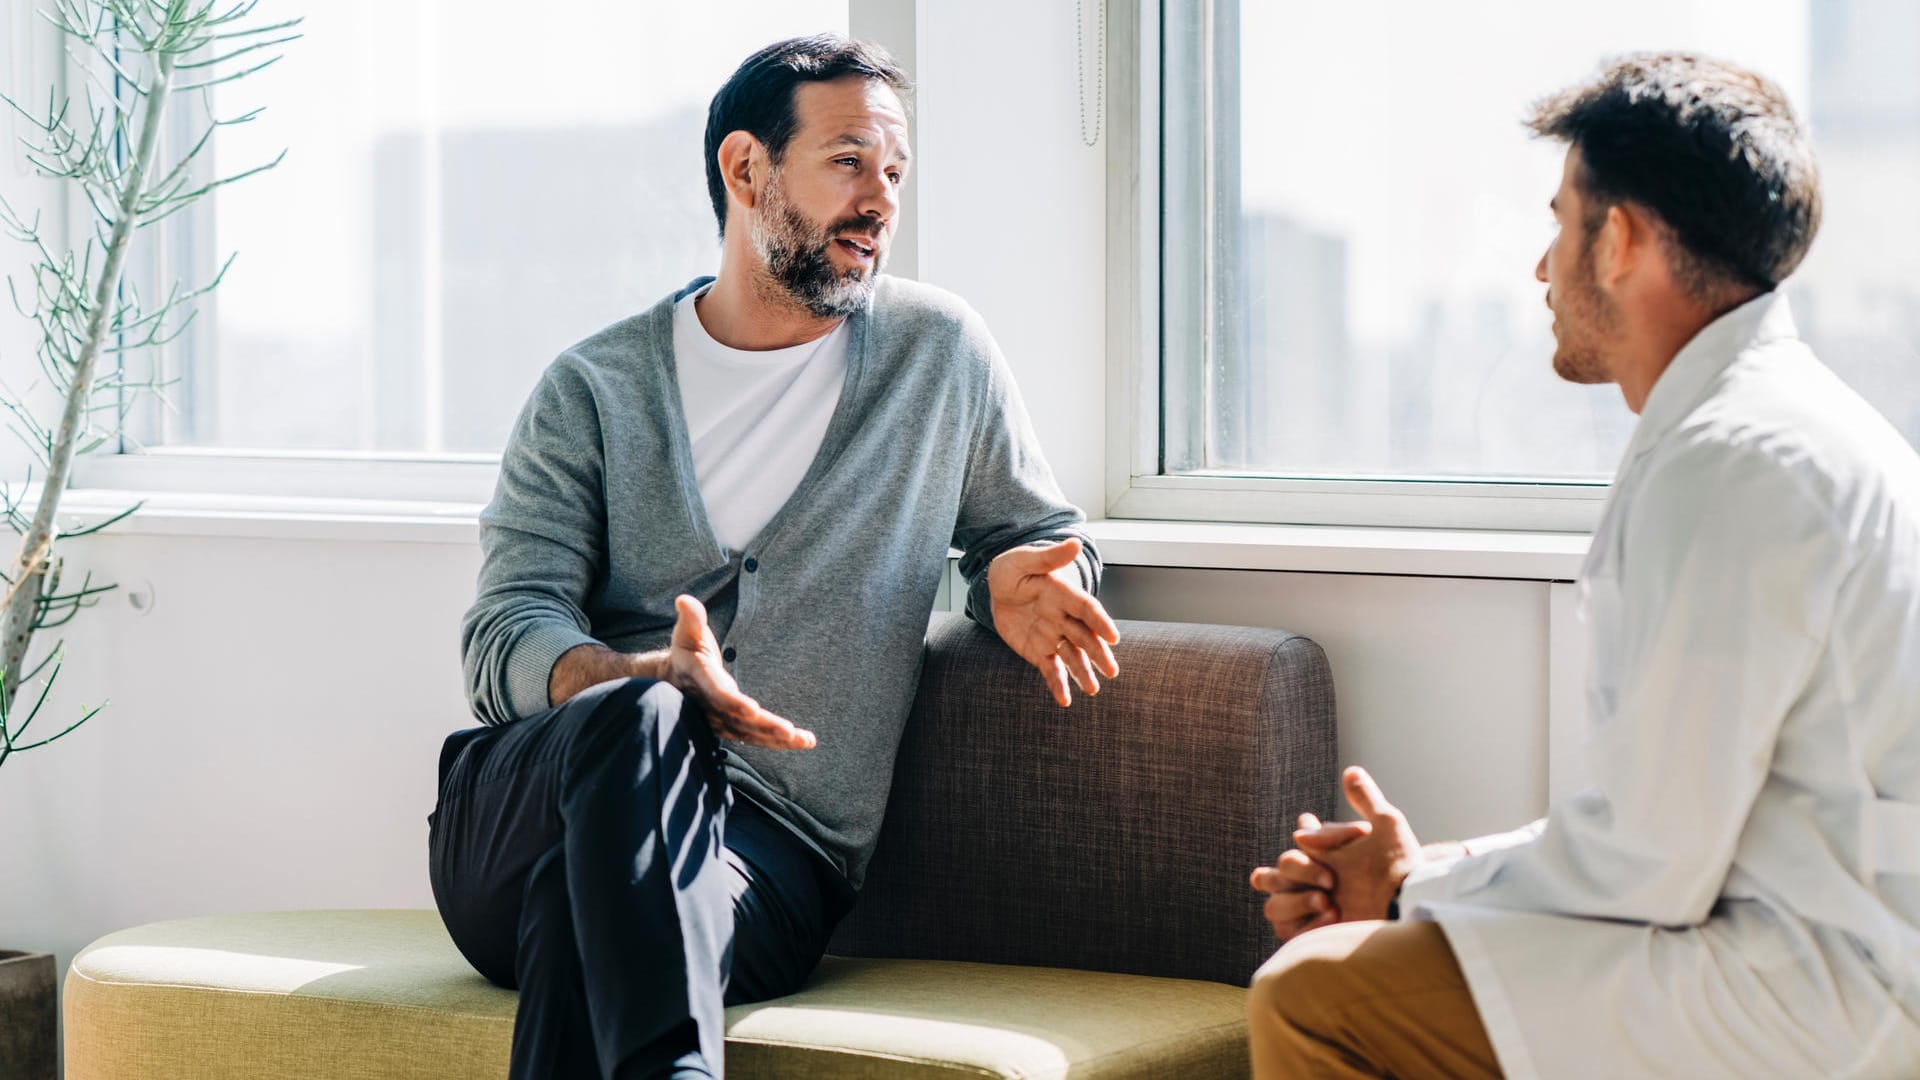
1209, 545
273, 517
1335, 549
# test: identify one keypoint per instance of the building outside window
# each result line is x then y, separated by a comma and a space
1352, 212
463, 198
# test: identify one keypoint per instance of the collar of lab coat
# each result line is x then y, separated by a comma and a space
1679, 389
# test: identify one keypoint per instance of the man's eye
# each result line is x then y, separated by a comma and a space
852, 162
895, 177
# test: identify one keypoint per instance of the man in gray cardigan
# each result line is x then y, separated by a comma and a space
750, 488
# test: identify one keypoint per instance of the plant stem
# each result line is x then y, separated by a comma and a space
23, 606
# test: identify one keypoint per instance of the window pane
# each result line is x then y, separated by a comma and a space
1381, 210
464, 196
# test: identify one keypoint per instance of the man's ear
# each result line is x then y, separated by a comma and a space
743, 168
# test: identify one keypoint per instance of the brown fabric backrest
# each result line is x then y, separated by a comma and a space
1115, 835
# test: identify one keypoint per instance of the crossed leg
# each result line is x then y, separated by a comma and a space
1366, 999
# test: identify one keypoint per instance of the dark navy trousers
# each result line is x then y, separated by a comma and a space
594, 858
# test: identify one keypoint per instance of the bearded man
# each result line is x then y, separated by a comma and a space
708, 566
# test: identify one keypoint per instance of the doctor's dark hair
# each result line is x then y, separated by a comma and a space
1712, 149
758, 98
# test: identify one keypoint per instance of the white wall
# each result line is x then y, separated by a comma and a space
1014, 211
270, 743
1440, 683
275, 717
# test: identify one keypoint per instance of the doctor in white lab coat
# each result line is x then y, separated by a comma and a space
1737, 893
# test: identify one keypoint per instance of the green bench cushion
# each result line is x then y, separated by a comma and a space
373, 995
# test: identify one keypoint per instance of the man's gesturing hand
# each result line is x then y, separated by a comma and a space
1369, 858
694, 667
1043, 614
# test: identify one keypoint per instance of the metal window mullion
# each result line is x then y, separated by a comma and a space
1184, 243
1210, 239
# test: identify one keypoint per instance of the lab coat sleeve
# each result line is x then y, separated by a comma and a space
1727, 572
1431, 868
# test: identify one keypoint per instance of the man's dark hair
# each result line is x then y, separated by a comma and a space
1710, 148
758, 99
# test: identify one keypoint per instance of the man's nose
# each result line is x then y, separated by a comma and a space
880, 199
1540, 269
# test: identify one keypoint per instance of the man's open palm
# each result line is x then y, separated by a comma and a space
1043, 614
695, 667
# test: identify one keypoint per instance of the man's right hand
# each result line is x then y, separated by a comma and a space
694, 667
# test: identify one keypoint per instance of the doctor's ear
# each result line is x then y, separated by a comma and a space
1626, 237
743, 168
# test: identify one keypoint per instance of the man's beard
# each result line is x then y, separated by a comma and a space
1586, 317
795, 253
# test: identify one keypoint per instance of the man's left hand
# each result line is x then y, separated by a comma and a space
1043, 614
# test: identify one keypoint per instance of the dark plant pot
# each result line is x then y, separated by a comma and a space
29, 1035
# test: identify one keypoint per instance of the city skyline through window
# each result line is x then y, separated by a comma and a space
1375, 311
462, 199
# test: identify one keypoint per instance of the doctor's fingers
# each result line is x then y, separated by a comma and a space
1365, 796
1325, 918
1294, 913
1333, 835
1292, 871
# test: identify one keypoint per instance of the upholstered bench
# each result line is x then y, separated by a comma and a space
1056, 893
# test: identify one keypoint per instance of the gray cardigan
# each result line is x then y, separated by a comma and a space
597, 524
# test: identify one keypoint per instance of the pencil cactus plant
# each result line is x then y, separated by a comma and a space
136, 60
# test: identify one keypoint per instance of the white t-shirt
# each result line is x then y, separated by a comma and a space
755, 419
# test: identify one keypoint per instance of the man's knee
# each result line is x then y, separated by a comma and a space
602, 719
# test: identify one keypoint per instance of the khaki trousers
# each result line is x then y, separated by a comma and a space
1366, 999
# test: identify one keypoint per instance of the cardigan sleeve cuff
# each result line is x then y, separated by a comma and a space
530, 664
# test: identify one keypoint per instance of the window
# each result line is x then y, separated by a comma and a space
1348, 219
468, 191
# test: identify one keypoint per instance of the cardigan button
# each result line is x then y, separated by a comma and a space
751, 564
728, 654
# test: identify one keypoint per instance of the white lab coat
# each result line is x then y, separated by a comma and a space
1738, 892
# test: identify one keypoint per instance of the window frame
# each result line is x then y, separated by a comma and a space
462, 478
1156, 363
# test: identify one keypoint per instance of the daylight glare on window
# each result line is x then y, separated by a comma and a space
1381, 209
462, 199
